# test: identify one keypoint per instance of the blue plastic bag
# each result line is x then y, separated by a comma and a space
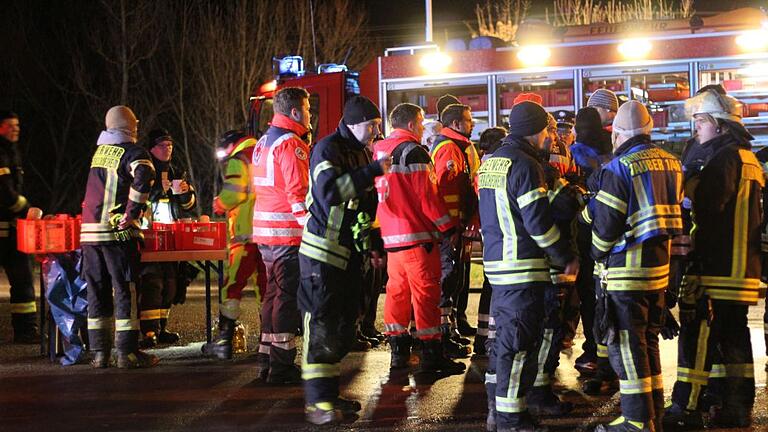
66, 295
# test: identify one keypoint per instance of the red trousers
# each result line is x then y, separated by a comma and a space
414, 284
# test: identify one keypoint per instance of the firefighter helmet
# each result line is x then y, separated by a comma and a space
227, 142
717, 105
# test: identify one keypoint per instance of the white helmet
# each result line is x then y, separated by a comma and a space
715, 104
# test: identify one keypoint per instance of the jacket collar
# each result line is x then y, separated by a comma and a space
402, 135
458, 138
348, 136
285, 122
632, 143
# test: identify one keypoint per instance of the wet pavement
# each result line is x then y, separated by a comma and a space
189, 392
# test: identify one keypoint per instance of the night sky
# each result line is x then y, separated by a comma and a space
399, 22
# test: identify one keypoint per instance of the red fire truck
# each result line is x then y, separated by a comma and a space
659, 63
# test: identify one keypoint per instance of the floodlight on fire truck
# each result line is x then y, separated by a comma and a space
753, 40
268, 87
435, 62
534, 55
635, 48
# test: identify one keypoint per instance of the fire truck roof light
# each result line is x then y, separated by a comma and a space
534, 55
753, 40
636, 48
435, 62
268, 86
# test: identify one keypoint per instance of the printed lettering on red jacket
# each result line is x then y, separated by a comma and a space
280, 180
410, 209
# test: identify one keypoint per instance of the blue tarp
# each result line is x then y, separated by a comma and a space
66, 294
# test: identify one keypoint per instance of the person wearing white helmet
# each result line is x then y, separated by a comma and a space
723, 278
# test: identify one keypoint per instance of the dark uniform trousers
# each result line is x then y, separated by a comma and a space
604, 371
518, 316
19, 271
108, 267
157, 292
585, 288
329, 303
717, 353
548, 357
634, 352
450, 279
279, 313
484, 308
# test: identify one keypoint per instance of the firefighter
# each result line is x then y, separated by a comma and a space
14, 205
606, 103
167, 203
723, 277
411, 214
635, 213
342, 206
762, 156
490, 140
119, 181
235, 150
520, 241
280, 181
454, 185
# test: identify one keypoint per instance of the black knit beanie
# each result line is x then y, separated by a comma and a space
156, 136
526, 119
359, 109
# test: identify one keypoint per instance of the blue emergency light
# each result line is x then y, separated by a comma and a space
290, 66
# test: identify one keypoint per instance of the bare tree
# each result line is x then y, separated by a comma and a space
499, 19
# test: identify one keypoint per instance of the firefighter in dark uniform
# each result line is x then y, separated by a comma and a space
635, 213
723, 277
762, 156
342, 206
14, 205
167, 203
119, 181
520, 243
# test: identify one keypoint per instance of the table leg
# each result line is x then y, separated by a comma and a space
43, 323
208, 301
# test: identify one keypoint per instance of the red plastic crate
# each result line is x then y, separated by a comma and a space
44, 236
560, 97
159, 238
431, 107
476, 102
659, 119
731, 85
200, 235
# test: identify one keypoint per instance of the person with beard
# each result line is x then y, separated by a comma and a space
168, 202
723, 277
520, 243
14, 205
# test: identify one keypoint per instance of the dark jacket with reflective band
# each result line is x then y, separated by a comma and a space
727, 216
635, 213
179, 205
119, 181
12, 202
762, 157
340, 188
566, 201
519, 232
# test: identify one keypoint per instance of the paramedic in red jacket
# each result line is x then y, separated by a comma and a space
412, 217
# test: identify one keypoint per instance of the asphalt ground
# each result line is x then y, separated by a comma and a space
190, 392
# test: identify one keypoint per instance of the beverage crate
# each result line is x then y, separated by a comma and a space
159, 238
475, 102
44, 236
200, 235
560, 97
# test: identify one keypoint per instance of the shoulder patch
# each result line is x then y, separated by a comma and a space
300, 153
451, 165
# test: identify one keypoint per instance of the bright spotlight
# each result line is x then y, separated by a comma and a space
435, 62
753, 40
534, 55
635, 48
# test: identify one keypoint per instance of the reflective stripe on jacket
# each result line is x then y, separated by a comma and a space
453, 171
236, 194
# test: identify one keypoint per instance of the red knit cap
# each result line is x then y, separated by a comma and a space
530, 97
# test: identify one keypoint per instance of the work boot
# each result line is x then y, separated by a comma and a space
346, 406
527, 427
148, 340
373, 341
600, 387
478, 347
262, 365
359, 345
165, 336
452, 348
221, 347
371, 332
290, 375
465, 329
136, 360
542, 402
490, 394
100, 359
400, 347
676, 418
434, 360
623, 425
25, 329
586, 365
458, 338
323, 413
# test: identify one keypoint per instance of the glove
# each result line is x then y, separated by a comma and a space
671, 328
124, 228
361, 232
691, 290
